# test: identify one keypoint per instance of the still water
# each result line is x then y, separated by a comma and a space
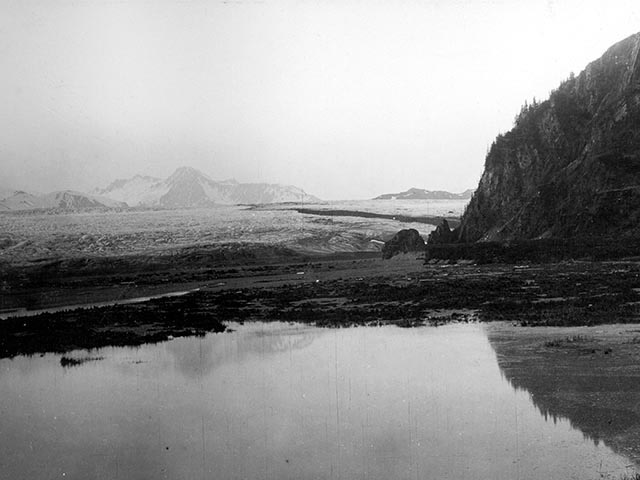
282, 401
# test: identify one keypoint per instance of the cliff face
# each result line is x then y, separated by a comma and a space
571, 164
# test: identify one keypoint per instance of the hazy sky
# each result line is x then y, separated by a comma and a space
346, 99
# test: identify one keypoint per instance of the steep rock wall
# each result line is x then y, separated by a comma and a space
571, 164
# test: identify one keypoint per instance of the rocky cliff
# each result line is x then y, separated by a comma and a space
571, 164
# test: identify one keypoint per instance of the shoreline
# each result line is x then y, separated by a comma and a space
24, 312
567, 332
85, 280
428, 219
332, 291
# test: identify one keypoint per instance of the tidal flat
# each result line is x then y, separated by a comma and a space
339, 291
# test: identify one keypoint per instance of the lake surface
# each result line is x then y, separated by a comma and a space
278, 401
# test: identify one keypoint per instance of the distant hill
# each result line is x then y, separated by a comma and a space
62, 200
570, 167
6, 192
185, 188
188, 187
422, 194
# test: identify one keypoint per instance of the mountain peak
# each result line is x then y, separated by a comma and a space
67, 200
422, 194
186, 174
188, 187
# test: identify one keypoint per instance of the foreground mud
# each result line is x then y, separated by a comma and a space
121, 325
567, 332
333, 291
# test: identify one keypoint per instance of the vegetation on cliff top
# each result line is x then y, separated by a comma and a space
570, 167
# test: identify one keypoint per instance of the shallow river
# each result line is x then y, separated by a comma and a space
287, 402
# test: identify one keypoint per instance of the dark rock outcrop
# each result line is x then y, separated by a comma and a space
442, 234
404, 241
570, 167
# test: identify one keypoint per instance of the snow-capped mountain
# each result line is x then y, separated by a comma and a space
62, 200
422, 194
185, 188
188, 187
139, 190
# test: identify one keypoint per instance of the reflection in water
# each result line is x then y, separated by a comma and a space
280, 401
594, 398
197, 358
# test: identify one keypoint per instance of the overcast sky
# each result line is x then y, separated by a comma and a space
344, 98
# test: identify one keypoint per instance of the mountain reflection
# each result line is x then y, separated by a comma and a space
574, 387
198, 357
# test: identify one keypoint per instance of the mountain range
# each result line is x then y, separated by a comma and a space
185, 188
61, 200
188, 187
422, 194
570, 166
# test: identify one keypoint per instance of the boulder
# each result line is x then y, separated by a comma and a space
404, 241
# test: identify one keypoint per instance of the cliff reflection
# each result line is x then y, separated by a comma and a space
592, 385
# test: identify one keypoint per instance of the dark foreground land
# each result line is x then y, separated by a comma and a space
567, 332
332, 291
